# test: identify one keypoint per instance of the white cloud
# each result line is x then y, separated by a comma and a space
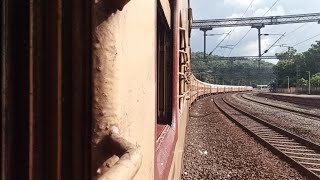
250, 48
235, 15
279, 10
241, 3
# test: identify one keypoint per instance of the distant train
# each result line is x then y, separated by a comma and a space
262, 87
96, 89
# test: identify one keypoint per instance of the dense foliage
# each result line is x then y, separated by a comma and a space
296, 66
231, 72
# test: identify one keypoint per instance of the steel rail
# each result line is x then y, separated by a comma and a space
287, 133
262, 129
300, 113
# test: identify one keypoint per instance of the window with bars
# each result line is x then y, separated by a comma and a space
164, 70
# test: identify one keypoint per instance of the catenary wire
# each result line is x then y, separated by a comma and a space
306, 40
250, 5
251, 28
229, 33
301, 42
273, 44
271, 7
291, 32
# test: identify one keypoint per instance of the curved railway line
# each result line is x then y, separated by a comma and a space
274, 106
303, 154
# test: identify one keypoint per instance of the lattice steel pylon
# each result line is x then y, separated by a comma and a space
252, 21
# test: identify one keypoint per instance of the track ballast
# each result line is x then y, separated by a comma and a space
301, 153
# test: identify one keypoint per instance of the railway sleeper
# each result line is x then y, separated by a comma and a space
287, 137
302, 154
306, 158
288, 146
311, 164
300, 150
288, 140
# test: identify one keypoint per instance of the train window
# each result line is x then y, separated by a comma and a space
164, 70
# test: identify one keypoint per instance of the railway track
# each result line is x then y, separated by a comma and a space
274, 106
301, 153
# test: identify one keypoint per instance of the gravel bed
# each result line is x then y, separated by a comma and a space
215, 148
302, 126
300, 108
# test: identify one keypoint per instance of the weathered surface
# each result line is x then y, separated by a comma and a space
124, 42
217, 149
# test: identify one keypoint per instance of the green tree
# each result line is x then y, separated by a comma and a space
287, 55
312, 58
283, 69
315, 80
302, 82
231, 72
291, 62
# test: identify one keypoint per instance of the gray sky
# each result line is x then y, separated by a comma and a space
215, 9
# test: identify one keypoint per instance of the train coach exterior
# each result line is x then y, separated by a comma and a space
97, 89
173, 79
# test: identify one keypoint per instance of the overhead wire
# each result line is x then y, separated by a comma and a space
300, 42
291, 32
219, 44
239, 41
271, 7
242, 38
273, 44
229, 33
245, 12
306, 40
299, 27
251, 28
250, 5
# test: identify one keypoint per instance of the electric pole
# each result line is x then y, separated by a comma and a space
205, 29
298, 75
259, 26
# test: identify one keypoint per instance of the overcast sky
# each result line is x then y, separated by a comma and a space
215, 9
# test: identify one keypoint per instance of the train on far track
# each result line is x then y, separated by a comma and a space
97, 89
